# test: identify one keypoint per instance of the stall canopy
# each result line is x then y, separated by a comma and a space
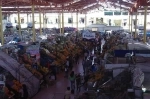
55, 6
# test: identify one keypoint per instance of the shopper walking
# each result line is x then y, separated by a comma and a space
72, 81
78, 82
54, 72
66, 71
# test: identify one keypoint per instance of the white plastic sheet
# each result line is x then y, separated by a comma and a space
20, 73
138, 77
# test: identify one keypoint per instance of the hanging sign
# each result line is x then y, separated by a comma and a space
88, 35
34, 50
9, 25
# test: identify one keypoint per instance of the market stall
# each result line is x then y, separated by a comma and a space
39, 59
20, 74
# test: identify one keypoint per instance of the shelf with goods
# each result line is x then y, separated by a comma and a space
11, 86
20, 72
96, 76
23, 53
112, 44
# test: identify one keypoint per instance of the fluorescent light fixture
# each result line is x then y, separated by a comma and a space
121, 5
128, 1
89, 5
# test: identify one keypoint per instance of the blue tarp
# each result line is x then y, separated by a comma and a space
20, 46
16, 39
122, 53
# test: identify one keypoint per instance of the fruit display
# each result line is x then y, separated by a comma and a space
8, 93
95, 77
16, 85
44, 70
34, 71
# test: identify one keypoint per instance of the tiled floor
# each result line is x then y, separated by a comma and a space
57, 90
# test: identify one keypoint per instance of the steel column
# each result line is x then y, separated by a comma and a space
43, 21
85, 21
129, 23
62, 22
77, 20
72, 18
19, 25
33, 24
40, 23
27, 18
135, 35
59, 22
145, 23
1, 24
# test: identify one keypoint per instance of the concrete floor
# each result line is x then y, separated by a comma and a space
58, 89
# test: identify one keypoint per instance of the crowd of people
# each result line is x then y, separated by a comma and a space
80, 80
92, 62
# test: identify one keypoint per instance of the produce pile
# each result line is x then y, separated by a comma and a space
14, 89
115, 42
96, 76
35, 72
16, 85
28, 63
62, 49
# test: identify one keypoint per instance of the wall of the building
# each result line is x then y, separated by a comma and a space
92, 17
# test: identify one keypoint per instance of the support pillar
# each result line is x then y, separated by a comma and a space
40, 23
135, 35
59, 22
62, 22
129, 23
19, 26
8, 18
77, 20
72, 18
33, 23
45, 21
85, 21
1, 25
30, 18
145, 23
27, 18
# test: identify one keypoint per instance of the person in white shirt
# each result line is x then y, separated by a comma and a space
66, 71
67, 94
